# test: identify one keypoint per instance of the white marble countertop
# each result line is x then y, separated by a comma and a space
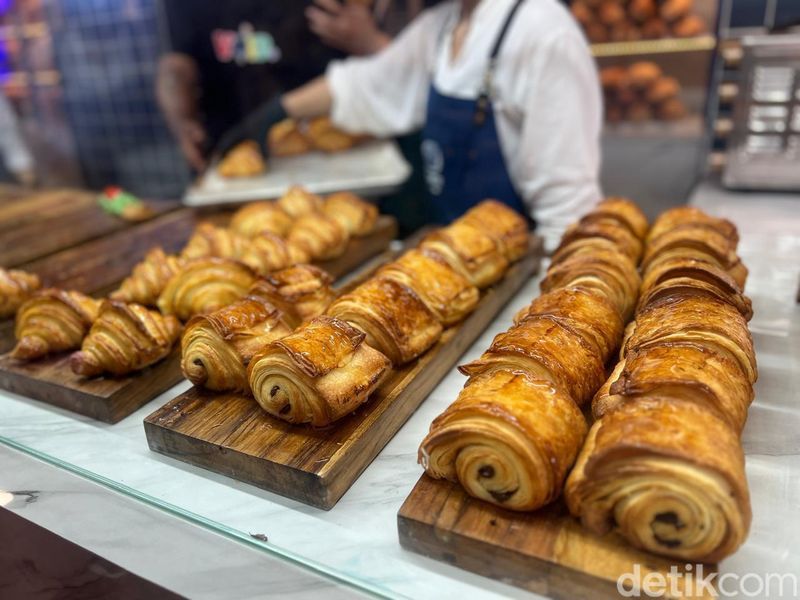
356, 541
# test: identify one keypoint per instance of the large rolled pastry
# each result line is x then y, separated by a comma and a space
15, 288
444, 291
505, 225
205, 285
395, 319
297, 201
508, 439
586, 232
470, 251
52, 321
268, 252
300, 292
318, 374
123, 339
321, 236
148, 279
623, 211
258, 217
216, 348
208, 240
243, 160
355, 215
668, 475
683, 215
549, 348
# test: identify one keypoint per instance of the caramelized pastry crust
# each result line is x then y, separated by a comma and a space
209, 240
444, 291
355, 215
258, 217
326, 137
318, 374
688, 215
52, 321
589, 229
15, 288
321, 236
125, 338
509, 439
505, 225
203, 286
666, 474
243, 160
147, 281
300, 292
395, 320
286, 139
217, 347
268, 253
622, 211
691, 241
297, 201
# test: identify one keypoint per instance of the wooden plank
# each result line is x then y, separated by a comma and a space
546, 551
231, 435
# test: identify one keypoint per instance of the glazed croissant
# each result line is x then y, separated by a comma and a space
209, 240
148, 279
268, 252
318, 374
297, 201
205, 285
254, 219
125, 338
243, 160
15, 288
586, 231
394, 318
622, 211
355, 215
505, 225
668, 475
52, 321
216, 348
445, 292
682, 215
286, 139
324, 136
470, 251
508, 439
321, 236
300, 292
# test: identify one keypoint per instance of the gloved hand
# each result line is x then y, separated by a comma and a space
255, 126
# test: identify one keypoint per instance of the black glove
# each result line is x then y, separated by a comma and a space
255, 126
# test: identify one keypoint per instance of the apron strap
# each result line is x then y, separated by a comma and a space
482, 105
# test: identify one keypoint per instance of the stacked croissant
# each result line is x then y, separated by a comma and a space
258, 259
662, 464
330, 365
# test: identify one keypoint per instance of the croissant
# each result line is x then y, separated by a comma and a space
208, 240
254, 219
244, 160
470, 251
505, 225
691, 241
216, 348
586, 231
300, 292
689, 215
445, 292
623, 211
205, 285
690, 276
395, 319
707, 322
321, 236
15, 288
297, 201
123, 339
318, 374
668, 475
324, 136
355, 215
508, 439
685, 371
52, 321
286, 139
148, 279
590, 313
549, 348
268, 252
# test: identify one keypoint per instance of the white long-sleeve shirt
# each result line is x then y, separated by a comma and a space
546, 96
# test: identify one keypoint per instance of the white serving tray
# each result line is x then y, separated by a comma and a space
372, 168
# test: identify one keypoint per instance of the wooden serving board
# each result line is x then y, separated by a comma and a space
96, 268
546, 551
230, 434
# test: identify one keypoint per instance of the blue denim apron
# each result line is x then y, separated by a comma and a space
461, 149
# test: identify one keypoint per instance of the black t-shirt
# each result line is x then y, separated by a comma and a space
247, 52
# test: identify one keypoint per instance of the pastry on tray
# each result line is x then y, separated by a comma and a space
328, 138
354, 214
209, 240
297, 201
258, 217
15, 288
268, 252
301, 292
148, 278
321, 236
243, 160
505, 225
125, 338
317, 375
286, 139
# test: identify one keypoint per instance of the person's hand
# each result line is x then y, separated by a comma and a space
349, 27
255, 126
191, 137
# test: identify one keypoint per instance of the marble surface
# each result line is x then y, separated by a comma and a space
357, 540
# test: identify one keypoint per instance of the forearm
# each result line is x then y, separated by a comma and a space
177, 87
308, 101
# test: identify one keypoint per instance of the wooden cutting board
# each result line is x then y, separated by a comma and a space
546, 551
230, 434
96, 268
